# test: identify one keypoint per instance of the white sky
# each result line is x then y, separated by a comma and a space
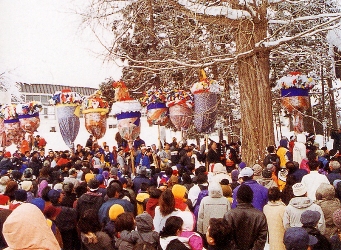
41, 42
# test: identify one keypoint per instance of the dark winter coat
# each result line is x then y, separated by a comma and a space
144, 233
249, 226
6, 164
87, 201
322, 243
325, 198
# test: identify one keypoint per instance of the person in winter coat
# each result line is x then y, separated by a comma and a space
6, 163
219, 173
309, 220
218, 235
91, 235
274, 211
335, 240
247, 224
113, 193
283, 152
170, 235
195, 241
260, 193
19, 234
179, 192
325, 198
215, 205
313, 180
65, 219
144, 233
91, 199
123, 222
165, 210
140, 178
298, 205
299, 150
153, 200
266, 179
334, 174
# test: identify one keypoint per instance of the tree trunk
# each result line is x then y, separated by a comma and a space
332, 104
255, 93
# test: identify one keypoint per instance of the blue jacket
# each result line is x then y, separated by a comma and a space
103, 213
260, 194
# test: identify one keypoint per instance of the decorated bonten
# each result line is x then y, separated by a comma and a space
68, 106
155, 102
206, 102
28, 114
295, 79
295, 96
127, 111
180, 103
95, 110
14, 133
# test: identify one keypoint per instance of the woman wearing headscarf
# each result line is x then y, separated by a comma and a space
20, 234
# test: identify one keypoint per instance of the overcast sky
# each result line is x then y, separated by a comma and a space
41, 42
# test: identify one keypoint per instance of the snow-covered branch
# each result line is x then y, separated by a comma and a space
223, 10
304, 18
311, 31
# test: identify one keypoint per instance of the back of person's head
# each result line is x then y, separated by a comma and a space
154, 192
313, 165
172, 226
218, 232
144, 186
271, 149
81, 189
44, 193
89, 222
311, 155
201, 178
334, 165
113, 189
167, 202
290, 166
125, 221
274, 194
186, 178
20, 195
168, 171
244, 194
201, 169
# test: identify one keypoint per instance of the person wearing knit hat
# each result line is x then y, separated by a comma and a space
179, 192
39, 202
89, 176
235, 180
299, 204
296, 238
309, 219
257, 171
114, 211
144, 232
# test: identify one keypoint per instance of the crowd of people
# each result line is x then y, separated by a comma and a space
172, 196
